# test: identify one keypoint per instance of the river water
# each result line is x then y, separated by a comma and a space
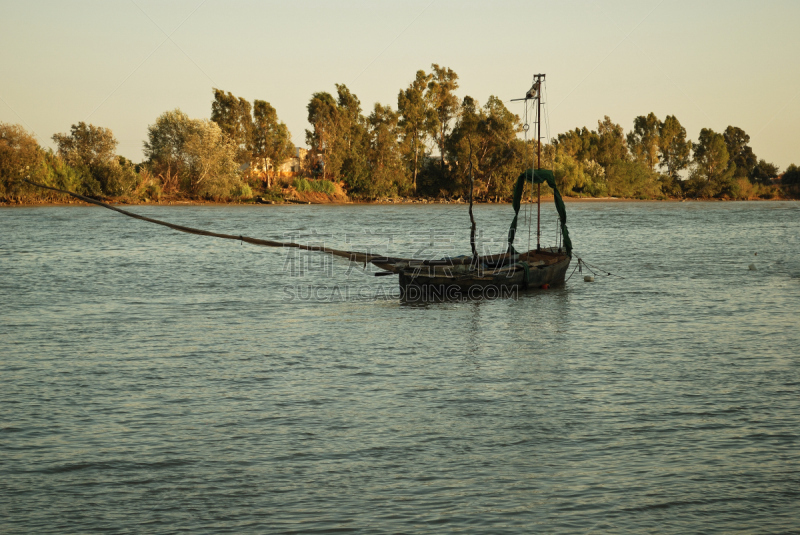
159, 382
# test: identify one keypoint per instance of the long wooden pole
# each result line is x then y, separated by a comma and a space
471, 217
538, 162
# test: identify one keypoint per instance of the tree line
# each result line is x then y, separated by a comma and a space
430, 145
194, 158
647, 162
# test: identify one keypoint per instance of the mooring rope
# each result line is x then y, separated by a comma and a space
573, 271
354, 256
387, 263
589, 266
582, 262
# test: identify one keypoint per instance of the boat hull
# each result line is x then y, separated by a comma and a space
449, 283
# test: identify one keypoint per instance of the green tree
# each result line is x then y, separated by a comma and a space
712, 175
165, 148
20, 157
791, 176
576, 177
569, 173
611, 145
674, 149
581, 144
352, 143
764, 172
387, 170
605, 146
417, 120
444, 103
323, 115
272, 142
483, 143
63, 176
466, 147
632, 179
86, 145
740, 154
91, 149
193, 155
233, 115
500, 157
339, 137
211, 158
644, 139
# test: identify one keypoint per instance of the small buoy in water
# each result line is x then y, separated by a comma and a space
588, 278
751, 267
545, 286
755, 254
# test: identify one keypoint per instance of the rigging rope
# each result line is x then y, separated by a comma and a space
546, 115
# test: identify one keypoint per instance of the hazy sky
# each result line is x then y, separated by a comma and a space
121, 63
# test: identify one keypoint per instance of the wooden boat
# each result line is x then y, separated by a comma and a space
496, 275
492, 277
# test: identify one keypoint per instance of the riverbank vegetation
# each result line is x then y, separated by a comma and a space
426, 148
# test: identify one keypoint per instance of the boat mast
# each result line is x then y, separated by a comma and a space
537, 84
535, 92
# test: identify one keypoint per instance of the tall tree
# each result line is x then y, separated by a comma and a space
20, 157
467, 146
387, 171
483, 143
211, 157
443, 101
643, 140
712, 173
416, 121
91, 149
165, 147
791, 176
605, 146
502, 159
674, 149
86, 145
225, 112
581, 144
711, 153
740, 153
351, 121
611, 145
352, 143
20, 154
323, 115
233, 115
339, 136
632, 179
272, 142
192, 154
764, 172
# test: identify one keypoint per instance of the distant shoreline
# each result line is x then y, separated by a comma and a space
195, 202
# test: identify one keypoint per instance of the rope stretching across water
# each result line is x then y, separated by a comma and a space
582, 262
353, 256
